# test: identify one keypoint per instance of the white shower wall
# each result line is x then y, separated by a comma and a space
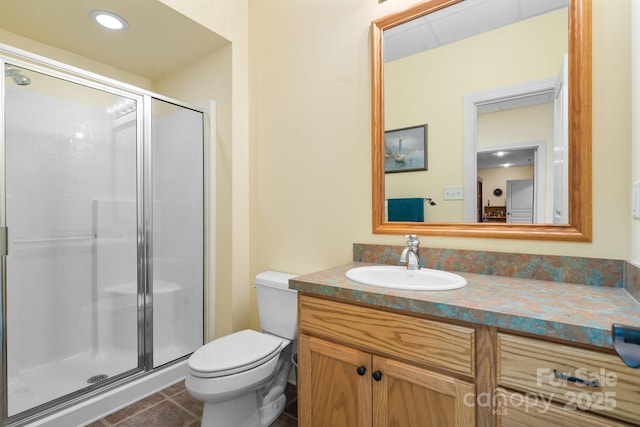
58, 165
116, 254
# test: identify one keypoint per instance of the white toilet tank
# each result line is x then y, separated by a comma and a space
277, 304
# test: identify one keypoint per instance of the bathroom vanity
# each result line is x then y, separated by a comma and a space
500, 351
362, 365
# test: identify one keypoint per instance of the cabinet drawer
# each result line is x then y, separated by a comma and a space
577, 377
427, 342
516, 410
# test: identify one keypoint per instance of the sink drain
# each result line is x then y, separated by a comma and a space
96, 378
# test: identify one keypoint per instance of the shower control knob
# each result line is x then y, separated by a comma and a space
361, 370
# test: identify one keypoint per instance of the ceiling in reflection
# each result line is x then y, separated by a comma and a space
457, 22
505, 158
527, 100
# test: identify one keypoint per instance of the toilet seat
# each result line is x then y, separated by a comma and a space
234, 353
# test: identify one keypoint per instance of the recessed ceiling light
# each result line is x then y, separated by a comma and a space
109, 20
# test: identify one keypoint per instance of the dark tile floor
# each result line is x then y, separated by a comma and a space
174, 407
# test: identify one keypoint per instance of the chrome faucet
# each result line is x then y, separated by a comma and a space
410, 254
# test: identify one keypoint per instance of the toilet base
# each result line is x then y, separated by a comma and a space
269, 413
241, 412
257, 408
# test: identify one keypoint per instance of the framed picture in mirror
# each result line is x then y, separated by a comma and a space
405, 149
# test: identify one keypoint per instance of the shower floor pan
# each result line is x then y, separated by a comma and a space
45, 383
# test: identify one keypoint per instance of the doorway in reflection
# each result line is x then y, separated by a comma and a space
508, 177
512, 158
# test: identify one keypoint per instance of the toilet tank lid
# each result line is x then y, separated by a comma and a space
274, 279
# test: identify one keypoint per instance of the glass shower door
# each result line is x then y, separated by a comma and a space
178, 230
71, 156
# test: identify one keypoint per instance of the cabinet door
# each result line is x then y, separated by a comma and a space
406, 395
333, 391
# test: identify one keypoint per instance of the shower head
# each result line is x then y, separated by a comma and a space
16, 76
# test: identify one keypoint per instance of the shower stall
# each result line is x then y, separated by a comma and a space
101, 235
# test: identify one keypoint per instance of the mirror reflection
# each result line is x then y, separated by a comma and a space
486, 82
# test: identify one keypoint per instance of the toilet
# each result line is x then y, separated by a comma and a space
241, 377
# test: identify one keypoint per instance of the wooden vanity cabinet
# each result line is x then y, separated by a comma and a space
364, 367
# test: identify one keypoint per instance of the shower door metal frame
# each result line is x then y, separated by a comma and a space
4, 246
144, 210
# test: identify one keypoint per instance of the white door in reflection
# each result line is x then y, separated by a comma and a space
520, 201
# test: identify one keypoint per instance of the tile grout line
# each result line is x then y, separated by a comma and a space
198, 417
136, 413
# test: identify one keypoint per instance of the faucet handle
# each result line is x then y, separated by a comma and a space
409, 254
412, 239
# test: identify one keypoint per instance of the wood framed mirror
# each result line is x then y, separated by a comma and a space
578, 218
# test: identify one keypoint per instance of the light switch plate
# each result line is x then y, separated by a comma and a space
453, 193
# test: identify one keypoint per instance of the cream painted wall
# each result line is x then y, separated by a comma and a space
310, 136
635, 86
526, 124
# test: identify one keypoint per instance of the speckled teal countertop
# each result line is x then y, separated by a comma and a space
567, 311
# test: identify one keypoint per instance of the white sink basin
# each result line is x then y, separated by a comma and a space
399, 277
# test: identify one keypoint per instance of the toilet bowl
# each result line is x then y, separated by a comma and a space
241, 377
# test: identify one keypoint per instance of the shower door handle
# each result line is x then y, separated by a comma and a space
4, 241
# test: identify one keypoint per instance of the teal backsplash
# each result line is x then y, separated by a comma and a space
587, 271
632, 280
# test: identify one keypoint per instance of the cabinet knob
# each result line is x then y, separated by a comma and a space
377, 375
361, 370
